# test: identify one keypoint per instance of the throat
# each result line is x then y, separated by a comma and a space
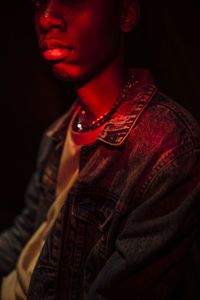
84, 122
98, 95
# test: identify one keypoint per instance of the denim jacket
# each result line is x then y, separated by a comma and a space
130, 221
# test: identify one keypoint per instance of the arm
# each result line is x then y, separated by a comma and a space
14, 238
155, 237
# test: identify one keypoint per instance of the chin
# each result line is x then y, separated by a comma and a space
75, 73
71, 73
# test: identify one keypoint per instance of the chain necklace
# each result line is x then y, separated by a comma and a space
81, 124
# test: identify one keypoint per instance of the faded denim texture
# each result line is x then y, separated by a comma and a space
129, 225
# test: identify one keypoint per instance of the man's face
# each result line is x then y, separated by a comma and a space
79, 37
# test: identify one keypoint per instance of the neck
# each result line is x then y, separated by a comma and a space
98, 95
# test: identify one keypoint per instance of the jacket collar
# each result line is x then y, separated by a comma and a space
124, 118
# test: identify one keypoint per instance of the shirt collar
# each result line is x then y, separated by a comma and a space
123, 119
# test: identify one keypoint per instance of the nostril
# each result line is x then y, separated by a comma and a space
48, 23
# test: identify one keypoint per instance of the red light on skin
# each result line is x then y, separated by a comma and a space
55, 54
83, 40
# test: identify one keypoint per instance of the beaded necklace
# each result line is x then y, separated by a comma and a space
81, 124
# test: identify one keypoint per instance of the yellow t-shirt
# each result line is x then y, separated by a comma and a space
15, 285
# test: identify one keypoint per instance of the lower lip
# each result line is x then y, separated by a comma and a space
56, 53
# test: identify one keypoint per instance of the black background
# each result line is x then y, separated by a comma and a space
167, 42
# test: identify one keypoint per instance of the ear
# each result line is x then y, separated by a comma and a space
130, 14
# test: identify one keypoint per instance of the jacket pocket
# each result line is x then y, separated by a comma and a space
97, 212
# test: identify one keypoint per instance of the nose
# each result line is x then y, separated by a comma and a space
51, 17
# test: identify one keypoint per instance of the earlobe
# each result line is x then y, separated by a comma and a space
130, 15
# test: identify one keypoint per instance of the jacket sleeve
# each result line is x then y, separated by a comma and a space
155, 237
13, 239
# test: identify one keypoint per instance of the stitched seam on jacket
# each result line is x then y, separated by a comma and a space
159, 170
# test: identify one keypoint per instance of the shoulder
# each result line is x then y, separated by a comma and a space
166, 125
175, 114
165, 140
164, 149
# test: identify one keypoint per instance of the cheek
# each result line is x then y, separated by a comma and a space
98, 38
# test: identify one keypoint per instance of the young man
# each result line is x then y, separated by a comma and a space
112, 209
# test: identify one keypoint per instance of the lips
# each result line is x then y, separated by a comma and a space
54, 50
52, 44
